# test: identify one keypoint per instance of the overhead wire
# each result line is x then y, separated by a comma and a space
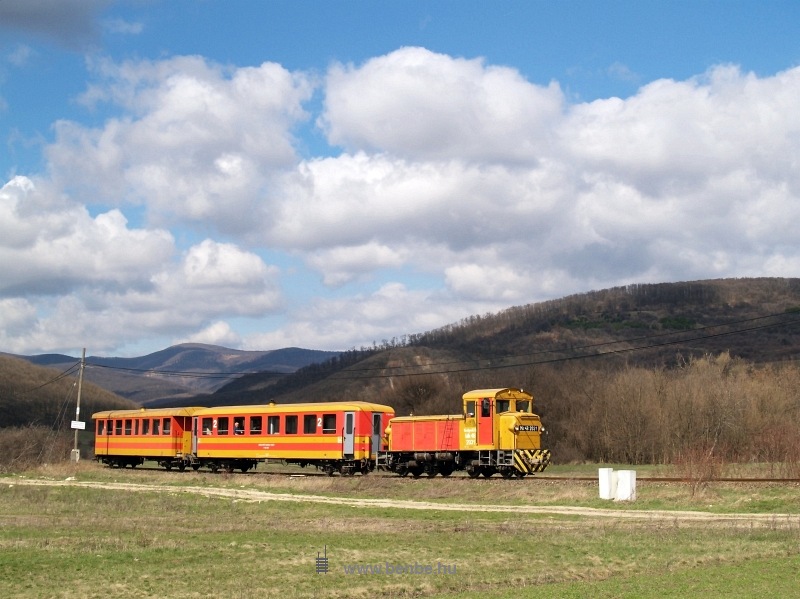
499, 362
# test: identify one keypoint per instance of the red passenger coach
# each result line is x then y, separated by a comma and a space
342, 437
129, 437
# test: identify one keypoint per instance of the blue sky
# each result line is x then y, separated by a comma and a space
332, 174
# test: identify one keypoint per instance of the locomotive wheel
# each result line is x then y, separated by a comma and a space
417, 472
487, 473
508, 474
474, 472
446, 471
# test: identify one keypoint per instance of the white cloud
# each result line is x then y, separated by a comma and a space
488, 187
195, 141
217, 333
416, 103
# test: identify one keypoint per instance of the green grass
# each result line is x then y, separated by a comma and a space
79, 542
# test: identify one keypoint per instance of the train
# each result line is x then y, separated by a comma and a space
496, 432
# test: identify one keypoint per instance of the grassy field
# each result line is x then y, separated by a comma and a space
67, 541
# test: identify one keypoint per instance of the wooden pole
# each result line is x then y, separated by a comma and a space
76, 454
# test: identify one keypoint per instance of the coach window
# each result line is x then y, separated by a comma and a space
146, 427
273, 425
166, 429
118, 427
238, 425
222, 426
206, 426
309, 424
127, 426
291, 425
255, 425
329, 424
136, 427
156, 422
101, 427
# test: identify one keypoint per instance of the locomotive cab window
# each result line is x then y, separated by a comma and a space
255, 425
291, 425
523, 405
309, 424
470, 409
486, 408
503, 405
329, 424
273, 425
207, 424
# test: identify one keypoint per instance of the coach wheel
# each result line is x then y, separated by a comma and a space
329, 470
195, 467
168, 466
214, 466
182, 467
244, 469
133, 464
229, 468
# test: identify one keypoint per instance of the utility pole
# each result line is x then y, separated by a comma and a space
77, 424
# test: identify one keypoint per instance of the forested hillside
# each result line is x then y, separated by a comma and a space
645, 373
35, 395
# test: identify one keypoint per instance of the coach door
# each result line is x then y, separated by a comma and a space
349, 437
194, 435
377, 419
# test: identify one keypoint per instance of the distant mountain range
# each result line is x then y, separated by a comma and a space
184, 370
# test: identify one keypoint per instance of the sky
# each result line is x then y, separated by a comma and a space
330, 175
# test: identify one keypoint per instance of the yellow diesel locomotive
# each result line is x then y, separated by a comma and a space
496, 432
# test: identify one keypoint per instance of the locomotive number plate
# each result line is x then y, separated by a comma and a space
527, 428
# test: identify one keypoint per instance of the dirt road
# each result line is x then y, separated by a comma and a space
253, 495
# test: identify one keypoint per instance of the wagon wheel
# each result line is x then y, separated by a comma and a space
508, 474
520, 474
487, 473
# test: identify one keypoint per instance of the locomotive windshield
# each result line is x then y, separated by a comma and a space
523, 405
503, 405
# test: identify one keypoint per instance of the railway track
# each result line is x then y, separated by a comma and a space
309, 472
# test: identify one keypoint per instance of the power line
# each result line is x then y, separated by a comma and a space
339, 376
57, 378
